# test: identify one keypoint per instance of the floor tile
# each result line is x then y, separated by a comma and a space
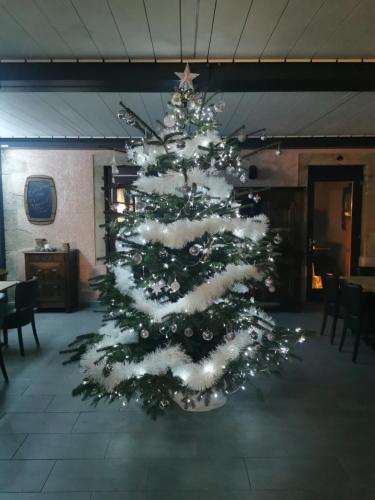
97, 475
148, 445
9, 444
24, 475
67, 403
24, 403
316, 474
37, 423
45, 496
63, 446
198, 474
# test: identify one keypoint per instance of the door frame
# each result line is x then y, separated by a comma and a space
329, 173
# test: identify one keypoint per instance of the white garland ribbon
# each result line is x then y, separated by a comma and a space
196, 376
172, 182
177, 234
199, 299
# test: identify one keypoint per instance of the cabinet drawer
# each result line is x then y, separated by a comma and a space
47, 271
51, 292
45, 257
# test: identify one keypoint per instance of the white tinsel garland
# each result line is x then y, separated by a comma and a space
172, 182
197, 300
179, 233
196, 376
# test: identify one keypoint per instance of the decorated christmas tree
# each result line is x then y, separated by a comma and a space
182, 323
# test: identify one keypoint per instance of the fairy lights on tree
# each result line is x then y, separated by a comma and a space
182, 323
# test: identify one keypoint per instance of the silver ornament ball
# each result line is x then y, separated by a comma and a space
144, 333
175, 286
194, 250
188, 332
207, 335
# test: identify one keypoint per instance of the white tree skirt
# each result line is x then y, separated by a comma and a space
200, 406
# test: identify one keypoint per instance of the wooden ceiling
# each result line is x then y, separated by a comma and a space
89, 114
133, 30
186, 28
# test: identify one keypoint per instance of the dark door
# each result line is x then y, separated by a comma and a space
285, 208
334, 223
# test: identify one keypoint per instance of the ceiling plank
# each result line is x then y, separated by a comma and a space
131, 21
228, 26
291, 25
205, 19
164, 19
262, 19
97, 18
63, 17
31, 18
17, 42
354, 36
321, 27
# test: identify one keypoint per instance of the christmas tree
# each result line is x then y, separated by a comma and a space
182, 323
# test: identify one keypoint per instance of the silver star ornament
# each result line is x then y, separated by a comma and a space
186, 78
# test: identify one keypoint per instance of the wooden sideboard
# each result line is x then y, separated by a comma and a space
58, 274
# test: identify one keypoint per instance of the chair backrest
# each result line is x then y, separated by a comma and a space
351, 298
331, 287
3, 303
25, 295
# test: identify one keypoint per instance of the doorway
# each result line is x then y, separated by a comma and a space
333, 224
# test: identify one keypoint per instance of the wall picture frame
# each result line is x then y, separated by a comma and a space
40, 199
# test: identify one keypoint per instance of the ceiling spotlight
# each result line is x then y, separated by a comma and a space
278, 151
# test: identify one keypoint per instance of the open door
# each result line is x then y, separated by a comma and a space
334, 223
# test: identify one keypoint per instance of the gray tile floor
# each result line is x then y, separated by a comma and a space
310, 435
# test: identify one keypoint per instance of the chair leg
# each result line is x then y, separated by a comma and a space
2, 366
324, 322
356, 346
34, 331
343, 335
20, 340
5, 334
333, 329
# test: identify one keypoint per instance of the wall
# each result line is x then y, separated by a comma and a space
72, 172
78, 179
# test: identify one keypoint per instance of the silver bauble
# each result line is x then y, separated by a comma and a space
169, 120
207, 335
194, 250
188, 332
175, 286
277, 239
137, 258
174, 327
241, 137
144, 333
219, 106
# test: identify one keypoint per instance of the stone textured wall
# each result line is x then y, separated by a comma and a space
80, 198
72, 172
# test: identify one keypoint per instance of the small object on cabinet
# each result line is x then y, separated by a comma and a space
58, 275
39, 244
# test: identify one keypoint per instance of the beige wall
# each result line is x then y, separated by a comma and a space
78, 179
72, 172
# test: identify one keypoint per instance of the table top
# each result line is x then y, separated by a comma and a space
4, 285
367, 282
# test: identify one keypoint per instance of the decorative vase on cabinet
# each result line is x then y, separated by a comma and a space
58, 274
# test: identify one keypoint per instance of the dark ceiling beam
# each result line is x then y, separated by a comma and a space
154, 77
330, 142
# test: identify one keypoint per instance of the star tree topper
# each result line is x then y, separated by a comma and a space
186, 78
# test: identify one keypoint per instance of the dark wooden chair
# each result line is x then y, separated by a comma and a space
2, 312
23, 312
351, 299
332, 306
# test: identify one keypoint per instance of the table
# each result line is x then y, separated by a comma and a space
367, 282
4, 285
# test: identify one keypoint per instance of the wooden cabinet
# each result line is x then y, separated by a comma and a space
58, 274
